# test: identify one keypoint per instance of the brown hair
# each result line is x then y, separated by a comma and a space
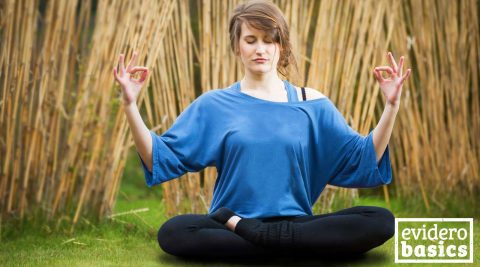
266, 16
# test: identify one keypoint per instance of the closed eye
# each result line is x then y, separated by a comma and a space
266, 41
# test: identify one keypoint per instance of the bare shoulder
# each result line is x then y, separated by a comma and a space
310, 93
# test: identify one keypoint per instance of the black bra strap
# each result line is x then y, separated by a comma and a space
303, 94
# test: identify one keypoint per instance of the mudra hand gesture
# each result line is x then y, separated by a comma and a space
130, 87
392, 85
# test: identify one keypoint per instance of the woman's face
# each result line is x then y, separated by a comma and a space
257, 51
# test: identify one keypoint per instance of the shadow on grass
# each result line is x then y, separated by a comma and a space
372, 258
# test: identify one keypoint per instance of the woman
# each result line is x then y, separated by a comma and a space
275, 147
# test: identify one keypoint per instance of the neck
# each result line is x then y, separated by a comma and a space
268, 82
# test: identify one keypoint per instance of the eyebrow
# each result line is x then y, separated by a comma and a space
253, 36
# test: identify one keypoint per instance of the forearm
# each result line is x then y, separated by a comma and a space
383, 130
141, 134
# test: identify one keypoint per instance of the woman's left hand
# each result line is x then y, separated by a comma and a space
392, 85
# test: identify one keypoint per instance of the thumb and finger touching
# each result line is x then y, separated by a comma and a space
131, 69
394, 70
126, 77
394, 75
143, 76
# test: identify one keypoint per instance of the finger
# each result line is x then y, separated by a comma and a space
385, 68
121, 65
137, 69
406, 75
132, 62
144, 76
392, 61
400, 66
378, 76
115, 74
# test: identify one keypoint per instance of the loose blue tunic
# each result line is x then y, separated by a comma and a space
272, 158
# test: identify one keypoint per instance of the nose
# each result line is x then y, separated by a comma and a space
260, 48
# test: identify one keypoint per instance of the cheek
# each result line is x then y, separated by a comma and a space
245, 50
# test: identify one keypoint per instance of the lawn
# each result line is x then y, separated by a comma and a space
130, 239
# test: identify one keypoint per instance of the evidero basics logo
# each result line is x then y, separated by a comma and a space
432, 240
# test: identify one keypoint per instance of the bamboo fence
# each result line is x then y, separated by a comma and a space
64, 138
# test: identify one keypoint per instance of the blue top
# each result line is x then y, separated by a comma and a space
272, 158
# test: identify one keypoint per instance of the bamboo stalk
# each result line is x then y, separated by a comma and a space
64, 138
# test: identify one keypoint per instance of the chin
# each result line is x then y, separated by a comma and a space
261, 70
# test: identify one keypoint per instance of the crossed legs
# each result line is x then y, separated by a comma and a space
199, 236
350, 231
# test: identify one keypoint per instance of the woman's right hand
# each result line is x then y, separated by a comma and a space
130, 87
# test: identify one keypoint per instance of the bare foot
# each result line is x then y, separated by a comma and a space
232, 222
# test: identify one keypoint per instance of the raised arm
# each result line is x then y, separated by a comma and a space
130, 89
392, 89
141, 134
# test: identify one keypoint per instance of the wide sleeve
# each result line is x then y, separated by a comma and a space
348, 157
189, 145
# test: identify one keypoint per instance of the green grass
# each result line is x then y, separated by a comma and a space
130, 240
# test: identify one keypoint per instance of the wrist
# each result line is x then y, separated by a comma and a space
392, 107
130, 105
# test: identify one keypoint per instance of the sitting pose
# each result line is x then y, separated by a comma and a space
275, 146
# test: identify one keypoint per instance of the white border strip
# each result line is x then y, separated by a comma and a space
470, 220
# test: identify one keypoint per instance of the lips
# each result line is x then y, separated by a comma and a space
260, 60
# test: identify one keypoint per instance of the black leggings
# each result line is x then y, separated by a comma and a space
346, 232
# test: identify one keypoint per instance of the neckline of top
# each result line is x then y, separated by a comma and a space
236, 88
